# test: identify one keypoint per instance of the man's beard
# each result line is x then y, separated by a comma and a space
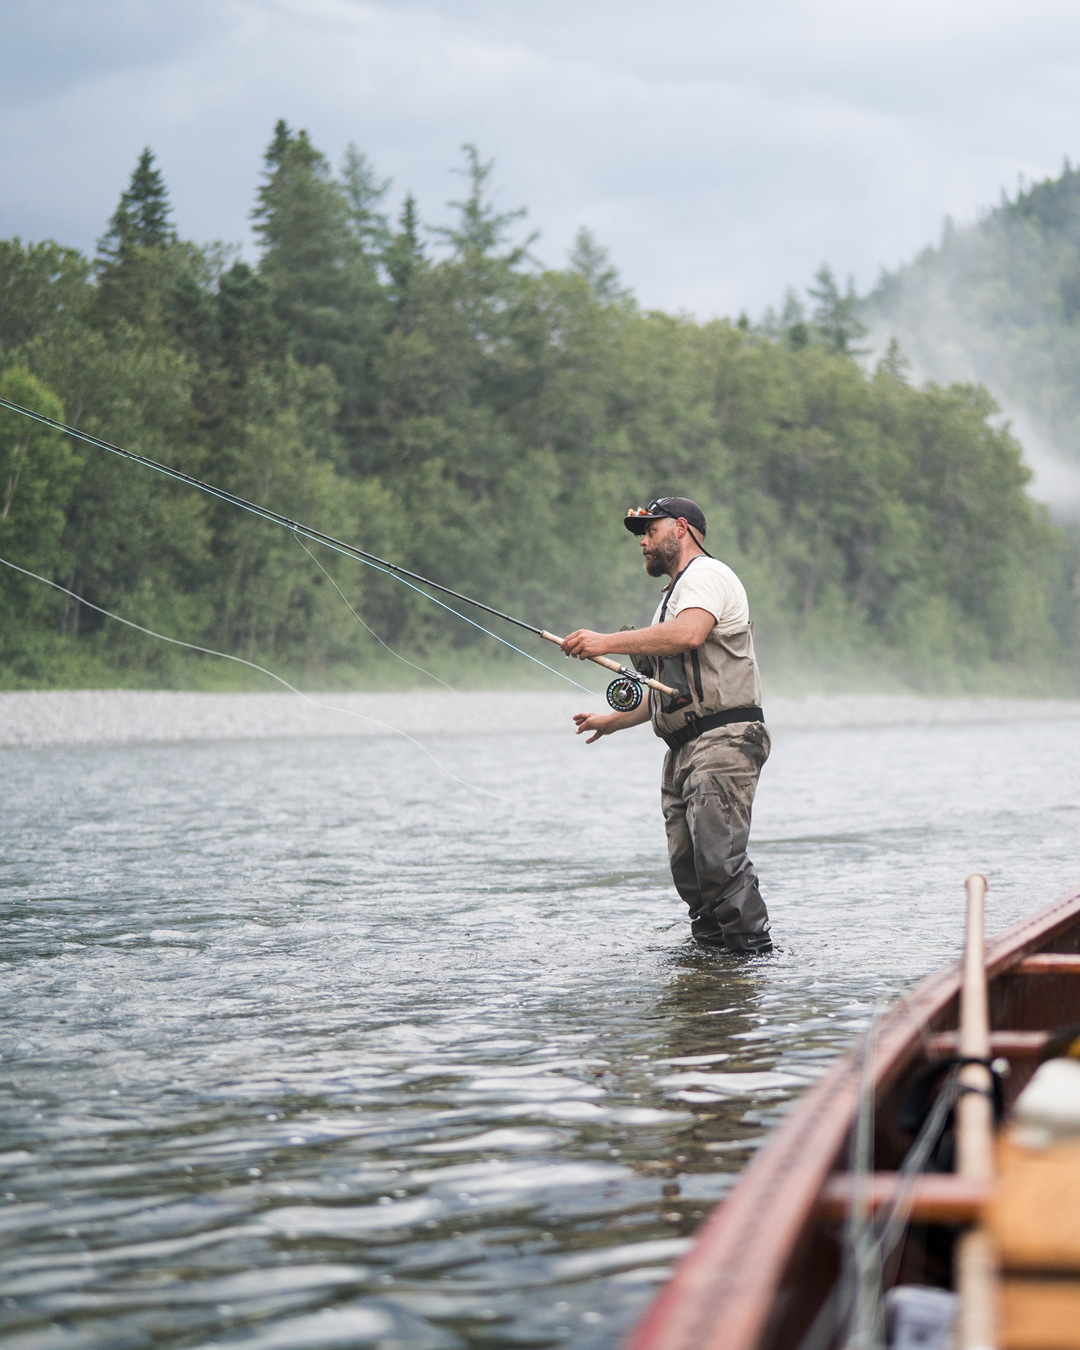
662, 557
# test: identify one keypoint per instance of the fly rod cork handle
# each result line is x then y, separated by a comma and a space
609, 664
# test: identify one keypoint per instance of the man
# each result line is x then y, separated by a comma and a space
701, 642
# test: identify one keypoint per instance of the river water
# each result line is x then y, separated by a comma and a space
307, 1045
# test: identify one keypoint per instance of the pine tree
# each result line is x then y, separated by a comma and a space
405, 253
245, 320
325, 293
142, 218
132, 264
481, 229
363, 193
592, 261
894, 362
302, 215
484, 283
793, 326
835, 321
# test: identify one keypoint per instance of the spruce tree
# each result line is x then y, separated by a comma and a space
484, 281
301, 217
593, 262
481, 229
142, 218
245, 320
793, 325
363, 194
132, 264
404, 253
324, 289
835, 320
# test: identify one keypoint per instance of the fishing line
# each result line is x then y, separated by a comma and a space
368, 627
472, 711
227, 656
316, 536
435, 601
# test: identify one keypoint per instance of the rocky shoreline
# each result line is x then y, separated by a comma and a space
119, 716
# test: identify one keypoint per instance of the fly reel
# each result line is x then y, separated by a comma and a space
624, 694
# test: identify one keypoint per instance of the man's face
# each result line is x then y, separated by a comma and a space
660, 546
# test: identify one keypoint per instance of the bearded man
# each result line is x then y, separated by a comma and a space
701, 643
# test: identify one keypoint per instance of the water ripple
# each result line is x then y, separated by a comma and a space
301, 1048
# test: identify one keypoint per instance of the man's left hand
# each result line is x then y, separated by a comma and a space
584, 644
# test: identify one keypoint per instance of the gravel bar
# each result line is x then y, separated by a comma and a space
117, 716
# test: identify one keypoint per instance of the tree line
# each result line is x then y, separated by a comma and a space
439, 398
999, 300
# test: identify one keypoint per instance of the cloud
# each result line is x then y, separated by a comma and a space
720, 150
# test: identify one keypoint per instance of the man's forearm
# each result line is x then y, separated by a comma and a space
684, 633
659, 639
621, 721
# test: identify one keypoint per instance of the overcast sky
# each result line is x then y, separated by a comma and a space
721, 151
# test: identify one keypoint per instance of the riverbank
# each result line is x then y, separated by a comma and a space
125, 716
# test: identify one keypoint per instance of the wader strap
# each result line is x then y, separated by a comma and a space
696, 725
674, 582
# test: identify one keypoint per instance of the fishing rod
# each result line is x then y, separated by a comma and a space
624, 694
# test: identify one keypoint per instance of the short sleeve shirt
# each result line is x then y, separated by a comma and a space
711, 585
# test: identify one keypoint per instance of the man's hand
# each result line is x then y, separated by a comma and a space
585, 643
603, 724
600, 724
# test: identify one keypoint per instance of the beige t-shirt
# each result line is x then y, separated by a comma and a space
711, 585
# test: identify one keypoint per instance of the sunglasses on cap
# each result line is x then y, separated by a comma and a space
637, 519
654, 508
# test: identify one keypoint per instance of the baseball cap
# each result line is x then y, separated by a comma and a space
673, 507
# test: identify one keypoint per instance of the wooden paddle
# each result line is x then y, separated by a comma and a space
975, 1266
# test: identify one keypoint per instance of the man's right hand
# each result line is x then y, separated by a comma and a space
600, 724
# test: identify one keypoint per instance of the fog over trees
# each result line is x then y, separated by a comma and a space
437, 398
998, 302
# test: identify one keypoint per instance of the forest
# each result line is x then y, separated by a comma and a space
998, 301
439, 398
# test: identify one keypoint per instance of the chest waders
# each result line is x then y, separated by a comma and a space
716, 684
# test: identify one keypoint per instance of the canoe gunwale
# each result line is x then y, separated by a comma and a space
725, 1293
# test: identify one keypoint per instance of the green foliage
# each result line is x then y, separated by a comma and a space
363, 195
834, 323
133, 262
999, 302
835, 318
136, 544
43, 288
592, 261
486, 422
142, 218
323, 285
38, 468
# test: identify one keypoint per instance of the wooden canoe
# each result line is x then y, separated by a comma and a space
769, 1255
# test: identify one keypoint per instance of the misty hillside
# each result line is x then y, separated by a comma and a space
998, 302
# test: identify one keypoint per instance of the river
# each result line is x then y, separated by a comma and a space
307, 1044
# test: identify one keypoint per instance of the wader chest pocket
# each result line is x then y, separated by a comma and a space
673, 673
669, 670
